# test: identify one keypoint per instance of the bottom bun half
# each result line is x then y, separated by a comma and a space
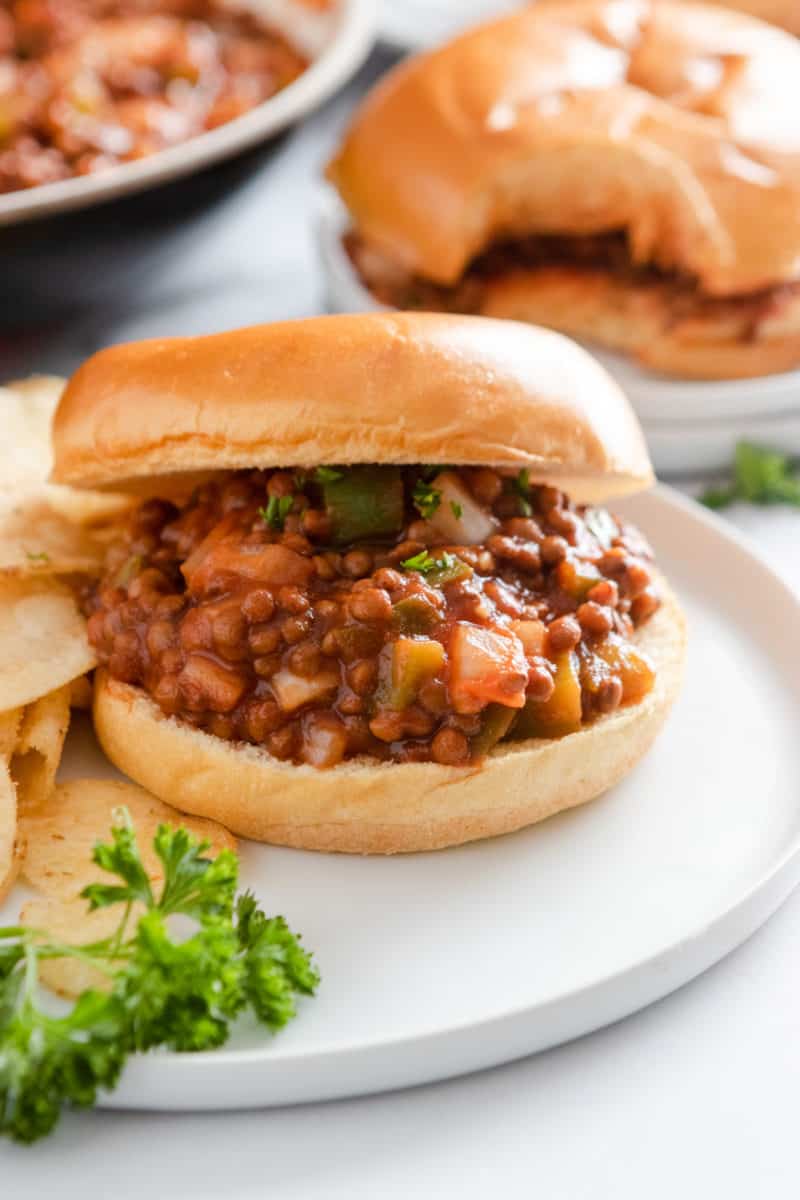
368, 807
733, 339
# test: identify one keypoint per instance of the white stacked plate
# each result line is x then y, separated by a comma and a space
691, 426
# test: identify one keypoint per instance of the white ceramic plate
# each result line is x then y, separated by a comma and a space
655, 398
438, 964
700, 447
337, 43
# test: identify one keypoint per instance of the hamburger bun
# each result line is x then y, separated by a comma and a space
785, 13
340, 390
669, 121
381, 388
712, 340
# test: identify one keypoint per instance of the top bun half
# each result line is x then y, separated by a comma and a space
785, 13
675, 122
153, 417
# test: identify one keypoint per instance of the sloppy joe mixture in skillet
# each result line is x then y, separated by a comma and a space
410, 614
87, 84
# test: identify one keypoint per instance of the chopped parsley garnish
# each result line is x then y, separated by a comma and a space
424, 562
327, 474
522, 486
426, 498
40, 556
759, 477
456, 509
448, 568
182, 992
276, 511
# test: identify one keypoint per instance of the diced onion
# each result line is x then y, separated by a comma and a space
293, 691
324, 740
459, 518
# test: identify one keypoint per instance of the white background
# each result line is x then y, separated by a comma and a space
695, 1097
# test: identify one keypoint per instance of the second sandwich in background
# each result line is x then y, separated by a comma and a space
626, 172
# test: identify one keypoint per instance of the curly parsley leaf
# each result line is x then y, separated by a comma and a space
195, 885
48, 1062
120, 857
181, 992
182, 995
277, 965
426, 498
276, 511
759, 477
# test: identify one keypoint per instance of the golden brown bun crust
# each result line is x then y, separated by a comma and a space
366, 808
675, 121
384, 388
724, 342
785, 13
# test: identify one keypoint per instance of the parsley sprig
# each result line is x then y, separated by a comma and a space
759, 477
178, 992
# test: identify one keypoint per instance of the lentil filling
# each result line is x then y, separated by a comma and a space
409, 614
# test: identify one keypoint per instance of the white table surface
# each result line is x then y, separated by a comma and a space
695, 1097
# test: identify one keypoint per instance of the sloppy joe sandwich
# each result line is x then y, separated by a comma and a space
369, 600
785, 13
625, 171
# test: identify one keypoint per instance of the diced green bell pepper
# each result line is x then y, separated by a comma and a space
364, 503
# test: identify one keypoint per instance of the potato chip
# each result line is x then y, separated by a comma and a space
81, 692
38, 748
35, 540
43, 641
10, 838
61, 836
26, 414
70, 921
9, 731
58, 863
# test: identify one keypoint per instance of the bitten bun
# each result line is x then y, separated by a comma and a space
364, 807
676, 122
154, 416
785, 13
716, 340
